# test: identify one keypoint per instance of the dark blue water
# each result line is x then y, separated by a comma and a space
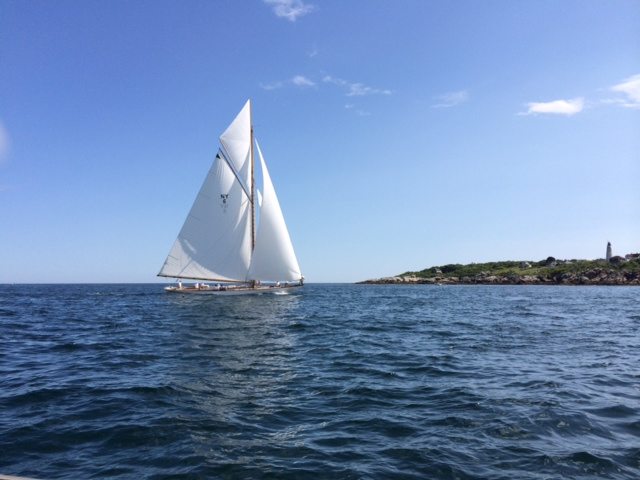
349, 381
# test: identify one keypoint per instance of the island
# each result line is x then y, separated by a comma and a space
615, 270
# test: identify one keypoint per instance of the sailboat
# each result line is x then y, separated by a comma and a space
235, 234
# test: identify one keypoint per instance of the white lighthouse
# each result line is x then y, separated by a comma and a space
608, 251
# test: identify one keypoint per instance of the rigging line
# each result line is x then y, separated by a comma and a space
233, 170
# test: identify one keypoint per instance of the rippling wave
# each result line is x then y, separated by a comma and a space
342, 381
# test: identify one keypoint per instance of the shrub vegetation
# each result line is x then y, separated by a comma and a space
545, 268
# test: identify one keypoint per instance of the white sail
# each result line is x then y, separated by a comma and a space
273, 256
236, 145
215, 240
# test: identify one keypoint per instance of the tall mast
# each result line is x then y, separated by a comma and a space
253, 207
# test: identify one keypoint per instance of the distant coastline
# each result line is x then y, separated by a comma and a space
551, 271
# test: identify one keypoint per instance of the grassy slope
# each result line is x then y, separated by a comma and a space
510, 268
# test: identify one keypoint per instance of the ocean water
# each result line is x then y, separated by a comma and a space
340, 382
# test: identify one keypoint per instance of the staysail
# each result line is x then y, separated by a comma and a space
273, 257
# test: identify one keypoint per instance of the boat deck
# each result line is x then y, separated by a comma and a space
234, 289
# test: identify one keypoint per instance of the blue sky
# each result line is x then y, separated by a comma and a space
399, 135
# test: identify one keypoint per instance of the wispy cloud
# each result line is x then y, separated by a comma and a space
631, 89
313, 52
451, 99
629, 97
355, 89
302, 81
357, 111
334, 80
350, 89
358, 90
4, 143
555, 107
297, 80
271, 86
290, 9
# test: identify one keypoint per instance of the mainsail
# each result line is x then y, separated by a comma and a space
215, 242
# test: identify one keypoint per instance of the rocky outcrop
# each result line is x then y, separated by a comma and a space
596, 276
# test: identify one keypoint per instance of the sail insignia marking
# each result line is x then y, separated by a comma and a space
224, 197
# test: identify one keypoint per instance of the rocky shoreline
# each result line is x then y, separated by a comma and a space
618, 271
591, 277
